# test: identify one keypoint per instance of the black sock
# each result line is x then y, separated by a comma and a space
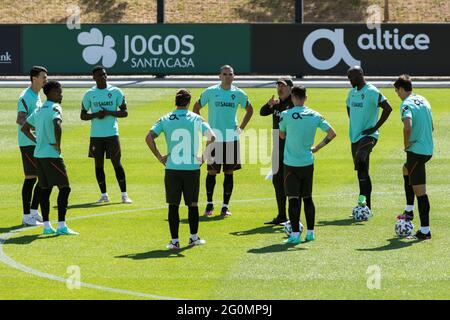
424, 210
36, 197
210, 184
174, 220
120, 175
310, 212
409, 192
27, 190
193, 217
294, 214
45, 203
63, 199
227, 188
278, 183
369, 192
365, 185
101, 180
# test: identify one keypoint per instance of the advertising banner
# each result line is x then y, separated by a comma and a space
10, 49
138, 49
330, 49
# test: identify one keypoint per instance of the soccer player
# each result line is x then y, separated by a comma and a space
106, 103
50, 165
298, 126
223, 100
275, 108
29, 101
181, 130
415, 112
362, 108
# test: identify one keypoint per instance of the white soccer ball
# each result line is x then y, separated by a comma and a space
404, 228
288, 228
361, 213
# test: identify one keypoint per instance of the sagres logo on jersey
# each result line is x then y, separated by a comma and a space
98, 48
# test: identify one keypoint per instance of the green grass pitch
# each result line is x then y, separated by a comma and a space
121, 253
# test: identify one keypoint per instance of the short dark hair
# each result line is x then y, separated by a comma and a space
226, 66
183, 98
403, 81
299, 91
96, 68
35, 70
50, 85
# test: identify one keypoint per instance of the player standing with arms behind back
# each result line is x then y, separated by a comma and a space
415, 112
106, 103
223, 100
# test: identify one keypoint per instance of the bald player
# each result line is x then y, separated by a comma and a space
363, 103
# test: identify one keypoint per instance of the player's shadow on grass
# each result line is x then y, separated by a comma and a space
394, 243
204, 219
259, 230
89, 205
340, 222
156, 254
276, 248
27, 239
12, 228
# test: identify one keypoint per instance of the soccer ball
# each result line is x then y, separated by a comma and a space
361, 213
404, 228
288, 228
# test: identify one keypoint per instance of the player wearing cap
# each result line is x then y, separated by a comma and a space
275, 108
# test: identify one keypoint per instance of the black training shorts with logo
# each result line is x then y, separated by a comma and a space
226, 154
298, 181
361, 151
28, 161
182, 182
415, 163
98, 146
52, 172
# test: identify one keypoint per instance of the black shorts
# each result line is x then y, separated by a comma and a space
52, 172
186, 182
28, 161
361, 151
415, 163
110, 145
298, 181
226, 154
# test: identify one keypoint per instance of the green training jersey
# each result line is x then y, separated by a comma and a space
418, 109
28, 102
182, 130
300, 125
364, 111
222, 110
42, 121
110, 98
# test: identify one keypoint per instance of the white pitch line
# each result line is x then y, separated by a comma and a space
16, 265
